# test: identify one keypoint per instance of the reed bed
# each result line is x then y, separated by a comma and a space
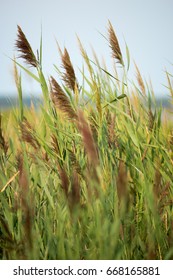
89, 174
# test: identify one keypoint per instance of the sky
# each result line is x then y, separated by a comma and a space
146, 27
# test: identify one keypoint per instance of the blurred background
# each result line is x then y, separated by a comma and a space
146, 27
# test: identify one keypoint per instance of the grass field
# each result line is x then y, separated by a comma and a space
88, 175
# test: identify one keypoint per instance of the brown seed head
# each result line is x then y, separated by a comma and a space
140, 80
26, 202
69, 76
88, 140
25, 49
151, 119
28, 136
112, 137
60, 100
3, 143
113, 41
64, 180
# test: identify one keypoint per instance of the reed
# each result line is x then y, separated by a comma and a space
86, 178
61, 101
25, 49
114, 44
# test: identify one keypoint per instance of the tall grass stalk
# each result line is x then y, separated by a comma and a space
89, 174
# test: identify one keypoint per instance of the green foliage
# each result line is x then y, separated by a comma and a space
86, 179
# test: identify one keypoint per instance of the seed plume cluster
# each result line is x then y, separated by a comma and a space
68, 76
60, 99
24, 48
113, 41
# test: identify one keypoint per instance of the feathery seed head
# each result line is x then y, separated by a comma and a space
69, 76
60, 99
25, 49
113, 41
88, 140
140, 80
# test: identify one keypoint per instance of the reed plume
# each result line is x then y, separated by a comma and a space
88, 140
16, 74
75, 163
27, 133
95, 57
69, 76
55, 144
86, 58
140, 80
26, 203
93, 124
60, 100
151, 119
114, 45
25, 49
3, 143
64, 180
112, 137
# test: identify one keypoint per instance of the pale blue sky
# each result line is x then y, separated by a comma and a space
146, 26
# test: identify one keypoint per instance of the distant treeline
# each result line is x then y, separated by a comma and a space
8, 102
